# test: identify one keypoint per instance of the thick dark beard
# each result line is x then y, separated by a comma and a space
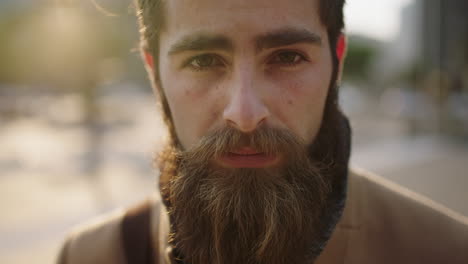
222, 215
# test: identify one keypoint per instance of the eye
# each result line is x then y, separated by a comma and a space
204, 61
288, 58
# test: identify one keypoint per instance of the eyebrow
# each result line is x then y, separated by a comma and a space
201, 41
273, 39
285, 37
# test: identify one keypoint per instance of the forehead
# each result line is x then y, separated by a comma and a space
239, 18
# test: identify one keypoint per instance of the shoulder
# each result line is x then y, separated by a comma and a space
97, 241
100, 240
396, 220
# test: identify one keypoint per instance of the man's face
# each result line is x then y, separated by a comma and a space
244, 64
246, 82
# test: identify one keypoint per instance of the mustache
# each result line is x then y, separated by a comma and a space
265, 139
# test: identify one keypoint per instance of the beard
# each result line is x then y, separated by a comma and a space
279, 214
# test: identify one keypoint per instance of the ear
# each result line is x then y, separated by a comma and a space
341, 47
152, 72
149, 60
149, 65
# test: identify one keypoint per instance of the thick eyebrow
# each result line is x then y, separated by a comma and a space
284, 37
201, 41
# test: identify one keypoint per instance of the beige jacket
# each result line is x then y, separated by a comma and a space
382, 223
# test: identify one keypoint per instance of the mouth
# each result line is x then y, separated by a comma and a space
247, 158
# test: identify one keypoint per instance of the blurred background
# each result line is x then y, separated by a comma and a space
79, 124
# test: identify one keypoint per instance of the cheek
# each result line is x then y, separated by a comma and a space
300, 99
191, 104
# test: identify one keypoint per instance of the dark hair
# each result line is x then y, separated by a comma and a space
151, 20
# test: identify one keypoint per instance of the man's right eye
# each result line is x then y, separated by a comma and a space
203, 62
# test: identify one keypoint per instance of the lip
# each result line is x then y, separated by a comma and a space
247, 158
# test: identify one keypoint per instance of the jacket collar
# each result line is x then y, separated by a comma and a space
348, 226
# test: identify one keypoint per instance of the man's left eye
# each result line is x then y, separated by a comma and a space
287, 58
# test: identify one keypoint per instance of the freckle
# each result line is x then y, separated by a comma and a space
290, 102
214, 115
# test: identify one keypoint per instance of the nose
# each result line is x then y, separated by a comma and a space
245, 109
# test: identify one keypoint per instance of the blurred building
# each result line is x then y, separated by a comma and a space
445, 36
400, 55
445, 61
428, 61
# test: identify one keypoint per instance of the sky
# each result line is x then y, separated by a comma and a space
379, 19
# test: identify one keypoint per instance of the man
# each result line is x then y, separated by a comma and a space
256, 168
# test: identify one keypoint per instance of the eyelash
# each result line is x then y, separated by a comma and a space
188, 62
302, 58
